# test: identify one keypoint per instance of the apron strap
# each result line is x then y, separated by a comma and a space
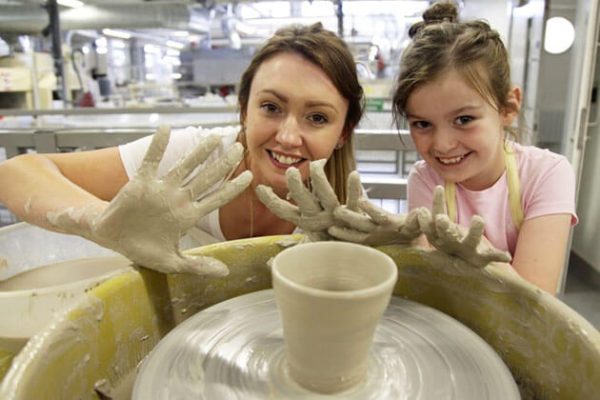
450, 195
514, 186
514, 190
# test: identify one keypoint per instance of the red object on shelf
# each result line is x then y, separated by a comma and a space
87, 100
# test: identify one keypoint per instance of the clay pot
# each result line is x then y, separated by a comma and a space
331, 296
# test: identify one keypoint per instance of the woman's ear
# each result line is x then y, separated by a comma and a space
513, 106
342, 139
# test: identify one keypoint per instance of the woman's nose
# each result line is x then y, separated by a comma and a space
289, 133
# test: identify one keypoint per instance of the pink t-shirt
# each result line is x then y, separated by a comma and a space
547, 185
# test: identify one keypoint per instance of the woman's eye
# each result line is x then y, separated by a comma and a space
464, 119
318, 119
269, 107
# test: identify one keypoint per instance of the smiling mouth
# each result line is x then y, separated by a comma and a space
283, 160
452, 160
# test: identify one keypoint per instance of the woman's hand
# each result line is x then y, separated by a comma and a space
150, 214
320, 215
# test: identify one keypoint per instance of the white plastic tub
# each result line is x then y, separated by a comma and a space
41, 272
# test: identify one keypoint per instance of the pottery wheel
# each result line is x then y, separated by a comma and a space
234, 350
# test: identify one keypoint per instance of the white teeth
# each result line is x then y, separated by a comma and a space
452, 160
285, 159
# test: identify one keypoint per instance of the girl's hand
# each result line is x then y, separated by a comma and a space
453, 239
150, 214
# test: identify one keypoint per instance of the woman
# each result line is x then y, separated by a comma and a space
299, 99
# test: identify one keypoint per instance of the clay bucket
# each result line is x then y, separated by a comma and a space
95, 347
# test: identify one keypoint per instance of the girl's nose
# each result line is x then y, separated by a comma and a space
444, 141
289, 133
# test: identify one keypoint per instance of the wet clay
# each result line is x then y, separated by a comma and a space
64, 272
235, 350
330, 296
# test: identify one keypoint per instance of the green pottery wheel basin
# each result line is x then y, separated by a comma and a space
93, 348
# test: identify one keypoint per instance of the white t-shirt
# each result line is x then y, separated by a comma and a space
181, 143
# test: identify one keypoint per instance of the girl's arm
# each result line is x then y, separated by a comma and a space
541, 250
34, 184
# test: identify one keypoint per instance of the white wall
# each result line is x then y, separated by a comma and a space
586, 235
496, 13
582, 123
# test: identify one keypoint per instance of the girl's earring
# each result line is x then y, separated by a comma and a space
339, 146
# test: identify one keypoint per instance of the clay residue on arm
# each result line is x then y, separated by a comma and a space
54, 182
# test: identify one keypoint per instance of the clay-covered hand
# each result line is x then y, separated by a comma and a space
372, 225
313, 210
147, 218
449, 237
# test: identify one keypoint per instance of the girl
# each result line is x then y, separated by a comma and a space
455, 91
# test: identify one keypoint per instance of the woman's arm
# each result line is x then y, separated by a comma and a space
35, 184
146, 216
541, 249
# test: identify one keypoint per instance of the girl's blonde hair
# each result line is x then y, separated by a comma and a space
441, 43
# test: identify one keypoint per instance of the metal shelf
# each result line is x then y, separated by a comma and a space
17, 141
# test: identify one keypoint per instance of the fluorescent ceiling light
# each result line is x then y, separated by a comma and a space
116, 33
174, 44
70, 3
150, 48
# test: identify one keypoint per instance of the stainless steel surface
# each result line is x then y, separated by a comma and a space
32, 19
10, 138
23, 19
121, 110
48, 140
234, 350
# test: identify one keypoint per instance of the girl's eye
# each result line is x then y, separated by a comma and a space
420, 124
319, 119
269, 108
464, 120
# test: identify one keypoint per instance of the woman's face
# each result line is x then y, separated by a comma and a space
295, 115
458, 132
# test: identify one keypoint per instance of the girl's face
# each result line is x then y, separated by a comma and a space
295, 115
458, 132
